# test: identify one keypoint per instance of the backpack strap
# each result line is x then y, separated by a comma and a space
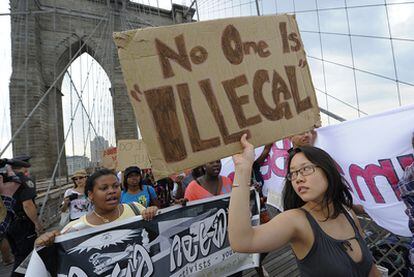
134, 208
149, 193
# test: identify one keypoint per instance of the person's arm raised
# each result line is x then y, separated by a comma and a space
243, 237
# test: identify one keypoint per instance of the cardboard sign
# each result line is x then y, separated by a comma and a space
132, 152
196, 88
109, 158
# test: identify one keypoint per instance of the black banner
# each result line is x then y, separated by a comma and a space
180, 241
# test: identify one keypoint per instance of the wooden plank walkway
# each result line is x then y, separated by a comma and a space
278, 263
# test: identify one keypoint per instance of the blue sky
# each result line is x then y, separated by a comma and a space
372, 56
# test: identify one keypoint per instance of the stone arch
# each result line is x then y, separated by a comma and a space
47, 50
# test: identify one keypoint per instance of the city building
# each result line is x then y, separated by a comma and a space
75, 163
98, 145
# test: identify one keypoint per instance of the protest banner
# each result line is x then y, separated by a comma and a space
371, 152
109, 158
196, 88
132, 152
181, 241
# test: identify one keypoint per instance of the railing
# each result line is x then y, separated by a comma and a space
51, 212
389, 250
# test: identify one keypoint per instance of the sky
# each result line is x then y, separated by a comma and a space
325, 32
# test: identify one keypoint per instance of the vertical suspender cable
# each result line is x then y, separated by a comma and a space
26, 105
352, 57
393, 54
322, 56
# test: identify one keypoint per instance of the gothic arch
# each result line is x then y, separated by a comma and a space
55, 30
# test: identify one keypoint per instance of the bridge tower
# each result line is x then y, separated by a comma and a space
47, 36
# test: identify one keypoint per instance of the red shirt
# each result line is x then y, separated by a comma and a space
195, 191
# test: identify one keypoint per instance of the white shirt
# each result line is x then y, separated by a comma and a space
79, 206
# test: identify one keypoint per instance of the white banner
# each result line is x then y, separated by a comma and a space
372, 152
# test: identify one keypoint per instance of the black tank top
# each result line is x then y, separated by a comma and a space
328, 257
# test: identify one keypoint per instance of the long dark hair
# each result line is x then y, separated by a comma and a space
337, 191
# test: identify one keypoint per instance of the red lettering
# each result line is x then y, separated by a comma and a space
341, 171
385, 169
275, 154
405, 160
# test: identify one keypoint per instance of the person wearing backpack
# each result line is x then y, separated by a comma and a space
136, 191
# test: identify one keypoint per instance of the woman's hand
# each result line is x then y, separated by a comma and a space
46, 239
245, 159
149, 213
181, 201
66, 201
65, 204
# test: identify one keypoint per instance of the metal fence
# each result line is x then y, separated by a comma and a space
388, 250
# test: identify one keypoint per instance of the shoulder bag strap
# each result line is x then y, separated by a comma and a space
134, 208
149, 194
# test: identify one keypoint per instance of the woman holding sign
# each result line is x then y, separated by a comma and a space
104, 191
318, 222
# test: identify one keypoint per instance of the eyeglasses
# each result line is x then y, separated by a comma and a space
78, 178
304, 171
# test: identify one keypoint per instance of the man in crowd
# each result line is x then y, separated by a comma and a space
24, 167
406, 187
22, 231
304, 139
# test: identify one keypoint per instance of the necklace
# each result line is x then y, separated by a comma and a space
104, 219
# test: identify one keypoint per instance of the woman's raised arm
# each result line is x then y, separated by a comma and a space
243, 237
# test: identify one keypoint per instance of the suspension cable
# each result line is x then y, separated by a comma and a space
28, 117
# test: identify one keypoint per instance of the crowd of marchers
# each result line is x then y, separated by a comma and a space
319, 220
